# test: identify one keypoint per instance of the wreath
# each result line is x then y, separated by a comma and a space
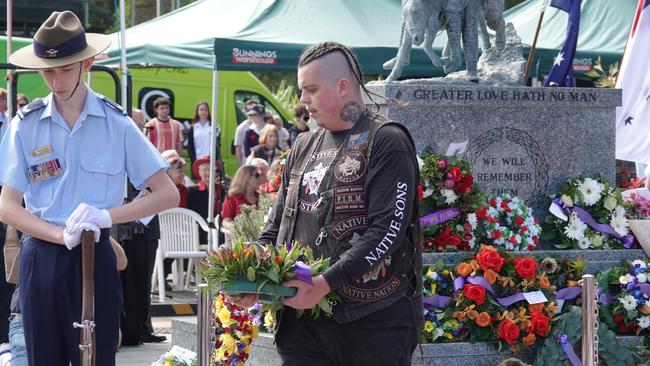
448, 198
508, 222
588, 213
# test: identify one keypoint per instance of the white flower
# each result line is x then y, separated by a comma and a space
644, 322
610, 203
437, 333
624, 280
642, 278
639, 264
619, 211
591, 191
492, 212
620, 224
427, 193
432, 275
596, 240
471, 218
584, 243
450, 196
576, 228
629, 302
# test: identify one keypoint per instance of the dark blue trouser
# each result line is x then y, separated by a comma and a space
50, 297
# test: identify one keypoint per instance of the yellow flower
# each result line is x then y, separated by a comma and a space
254, 331
228, 343
168, 363
452, 323
269, 320
449, 335
428, 326
224, 317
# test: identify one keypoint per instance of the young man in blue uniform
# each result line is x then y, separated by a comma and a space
67, 155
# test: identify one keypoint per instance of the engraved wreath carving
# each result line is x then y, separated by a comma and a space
523, 139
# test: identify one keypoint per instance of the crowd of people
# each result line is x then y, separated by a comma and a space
64, 170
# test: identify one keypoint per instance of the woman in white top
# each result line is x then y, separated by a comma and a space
198, 138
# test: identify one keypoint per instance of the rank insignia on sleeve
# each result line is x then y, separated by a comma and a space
42, 171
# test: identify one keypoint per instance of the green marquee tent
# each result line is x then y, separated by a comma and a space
269, 35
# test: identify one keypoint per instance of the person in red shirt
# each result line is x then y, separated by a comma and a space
164, 132
176, 173
243, 190
198, 195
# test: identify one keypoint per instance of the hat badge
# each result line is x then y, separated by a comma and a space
52, 52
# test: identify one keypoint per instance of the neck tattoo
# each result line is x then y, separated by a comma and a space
351, 112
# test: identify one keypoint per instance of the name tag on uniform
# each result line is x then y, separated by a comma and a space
42, 151
42, 171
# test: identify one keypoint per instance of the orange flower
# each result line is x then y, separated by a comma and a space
472, 314
571, 283
544, 282
529, 340
278, 260
490, 276
535, 307
464, 269
483, 319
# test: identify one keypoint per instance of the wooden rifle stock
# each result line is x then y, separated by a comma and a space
87, 325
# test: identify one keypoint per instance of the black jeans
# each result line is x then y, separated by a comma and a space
305, 341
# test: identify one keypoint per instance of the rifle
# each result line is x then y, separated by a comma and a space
87, 324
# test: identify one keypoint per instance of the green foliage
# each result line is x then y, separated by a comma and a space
570, 324
604, 79
248, 225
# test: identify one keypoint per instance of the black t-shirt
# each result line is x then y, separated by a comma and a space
294, 131
310, 184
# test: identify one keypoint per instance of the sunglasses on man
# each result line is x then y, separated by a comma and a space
305, 118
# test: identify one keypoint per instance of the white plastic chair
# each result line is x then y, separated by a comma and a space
179, 239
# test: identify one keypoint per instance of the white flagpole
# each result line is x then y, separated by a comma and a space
10, 86
123, 66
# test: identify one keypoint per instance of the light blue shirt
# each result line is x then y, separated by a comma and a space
4, 125
58, 168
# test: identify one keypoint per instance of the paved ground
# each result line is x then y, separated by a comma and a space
147, 353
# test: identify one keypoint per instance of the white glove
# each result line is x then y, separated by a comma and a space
87, 214
72, 234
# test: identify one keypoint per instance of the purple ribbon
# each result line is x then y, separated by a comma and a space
303, 272
439, 217
438, 301
570, 293
583, 215
481, 281
568, 350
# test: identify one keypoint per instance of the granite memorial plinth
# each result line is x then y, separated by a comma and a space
519, 140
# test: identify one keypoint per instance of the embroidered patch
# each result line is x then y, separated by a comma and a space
307, 207
362, 294
42, 171
350, 167
44, 150
311, 180
357, 140
344, 227
349, 199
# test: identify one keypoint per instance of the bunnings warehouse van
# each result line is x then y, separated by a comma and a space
186, 87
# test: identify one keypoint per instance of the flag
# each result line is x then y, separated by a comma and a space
633, 117
562, 71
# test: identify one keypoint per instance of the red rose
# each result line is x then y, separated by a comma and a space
468, 180
523, 230
519, 220
504, 204
539, 324
488, 257
513, 240
420, 192
461, 188
496, 234
493, 202
454, 174
526, 267
508, 331
474, 293
464, 246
